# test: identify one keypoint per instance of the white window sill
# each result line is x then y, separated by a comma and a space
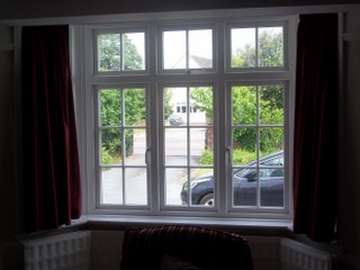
253, 226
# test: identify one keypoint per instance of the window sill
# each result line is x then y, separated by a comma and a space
246, 226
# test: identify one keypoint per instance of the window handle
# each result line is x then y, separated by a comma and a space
147, 157
227, 155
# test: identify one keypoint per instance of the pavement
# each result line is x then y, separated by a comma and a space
136, 180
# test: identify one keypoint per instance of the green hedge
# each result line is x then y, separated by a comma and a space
239, 157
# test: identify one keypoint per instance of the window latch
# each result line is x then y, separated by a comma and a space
147, 157
227, 155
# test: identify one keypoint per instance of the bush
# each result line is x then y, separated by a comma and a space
240, 156
112, 147
129, 142
107, 158
206, 157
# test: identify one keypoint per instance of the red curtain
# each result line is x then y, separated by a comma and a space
315, 142
50, 158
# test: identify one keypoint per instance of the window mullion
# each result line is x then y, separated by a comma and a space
258, 199
256, 47
188, 171
227, 143
187, 49
123, 144
220, 126
152, 143
121, 52
161, 146
154, 103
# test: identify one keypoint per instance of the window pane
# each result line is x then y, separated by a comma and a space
110, 107
175, 106
202, 187
135, 107
272, 187
244, 147
243, 105
135, 186
134, 51
271, 47
201, 148
201, 106
276, 160
108, 52
200, 49
176, 187
243, 53
271, 141
175, 146
111, 186
174, 49
135, 143
244, 186
271, 104
111, 147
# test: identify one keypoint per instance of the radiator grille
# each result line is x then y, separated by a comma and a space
68, 251
297, 256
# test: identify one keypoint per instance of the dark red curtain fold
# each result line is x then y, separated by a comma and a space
50, 158
315, 142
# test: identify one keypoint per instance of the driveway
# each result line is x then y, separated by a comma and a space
135, 184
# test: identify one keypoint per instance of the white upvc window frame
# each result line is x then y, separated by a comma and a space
99, 166
276, 21
163, 166
118, 29
180, 26
154, 78
229, 127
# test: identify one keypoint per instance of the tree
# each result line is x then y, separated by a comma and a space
109, 52
244, 99
168, 110
204, 101
132, 59
112, 100
110, 55
113, 103
270, 48
244, 58
270, 51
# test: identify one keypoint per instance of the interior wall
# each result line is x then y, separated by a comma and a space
349, 185
11, 9
7, 150
7, 134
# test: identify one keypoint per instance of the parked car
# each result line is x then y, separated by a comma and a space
176, 120
244, 182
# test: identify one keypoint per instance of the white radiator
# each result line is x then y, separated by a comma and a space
298, 256
70, 251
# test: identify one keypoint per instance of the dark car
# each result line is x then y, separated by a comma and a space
244, 184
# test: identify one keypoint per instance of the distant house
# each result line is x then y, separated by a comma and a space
180, 107
199, 62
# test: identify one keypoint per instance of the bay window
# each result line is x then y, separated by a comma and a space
188, 118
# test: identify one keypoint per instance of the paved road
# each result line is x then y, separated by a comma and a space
135, 184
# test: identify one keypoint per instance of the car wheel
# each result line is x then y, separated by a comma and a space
208, 199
